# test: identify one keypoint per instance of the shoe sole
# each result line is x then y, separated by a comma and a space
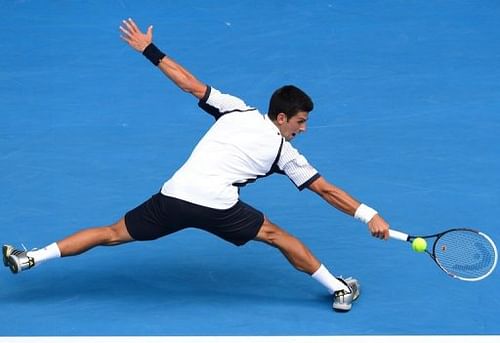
345, 308
6, 250
9, 260
13, 264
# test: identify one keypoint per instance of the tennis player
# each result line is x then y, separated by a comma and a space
241, 146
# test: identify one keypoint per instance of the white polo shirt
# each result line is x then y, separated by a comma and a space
240, 147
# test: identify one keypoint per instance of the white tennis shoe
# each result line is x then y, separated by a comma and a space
342, 300
16, 260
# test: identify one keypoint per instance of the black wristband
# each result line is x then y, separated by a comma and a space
153, 54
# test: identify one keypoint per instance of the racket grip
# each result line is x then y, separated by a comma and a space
398, 235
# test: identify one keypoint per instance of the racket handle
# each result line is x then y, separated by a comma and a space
398, 235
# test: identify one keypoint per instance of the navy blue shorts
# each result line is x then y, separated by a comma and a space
162, 215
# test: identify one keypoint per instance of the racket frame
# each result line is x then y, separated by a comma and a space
399, 235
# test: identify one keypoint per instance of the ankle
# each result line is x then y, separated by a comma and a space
50, 252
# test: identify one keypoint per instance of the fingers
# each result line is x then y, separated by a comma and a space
149, 33
385, 235
380, 235
379, 228
133, 25
129, 28
134, 36
125, 33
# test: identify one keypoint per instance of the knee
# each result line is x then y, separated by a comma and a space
117, 233
270, 233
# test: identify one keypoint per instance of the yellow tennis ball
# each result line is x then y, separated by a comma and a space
419, 244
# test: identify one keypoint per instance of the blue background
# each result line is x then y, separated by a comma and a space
406, 119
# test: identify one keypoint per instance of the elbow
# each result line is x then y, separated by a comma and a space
186, 84
194, 87
186, 88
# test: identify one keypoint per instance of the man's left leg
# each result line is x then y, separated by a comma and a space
74, 244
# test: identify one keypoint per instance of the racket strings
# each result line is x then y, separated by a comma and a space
466, 254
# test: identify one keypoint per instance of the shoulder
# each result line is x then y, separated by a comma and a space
289, 152
218, 104
296, 167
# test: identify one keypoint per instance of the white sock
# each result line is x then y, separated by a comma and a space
48, 253
324, 277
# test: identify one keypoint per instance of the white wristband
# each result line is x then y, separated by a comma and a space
365, 213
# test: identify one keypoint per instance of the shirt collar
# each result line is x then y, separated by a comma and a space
271, 124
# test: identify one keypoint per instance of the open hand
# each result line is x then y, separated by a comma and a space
134, 37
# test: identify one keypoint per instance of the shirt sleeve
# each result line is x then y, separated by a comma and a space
217, 104
296, 167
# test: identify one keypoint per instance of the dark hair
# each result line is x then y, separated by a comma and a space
289, 100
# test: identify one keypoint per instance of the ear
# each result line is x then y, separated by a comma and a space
281, 118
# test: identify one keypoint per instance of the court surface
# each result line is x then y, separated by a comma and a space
406, 119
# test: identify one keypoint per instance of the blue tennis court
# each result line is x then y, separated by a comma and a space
406, 119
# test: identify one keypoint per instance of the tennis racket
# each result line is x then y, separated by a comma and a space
464, 254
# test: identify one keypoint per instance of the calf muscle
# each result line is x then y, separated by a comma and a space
293, 249
87, 239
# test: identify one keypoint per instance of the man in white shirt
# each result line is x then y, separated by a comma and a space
240, 147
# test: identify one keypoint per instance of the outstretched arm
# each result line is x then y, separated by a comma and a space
143, 43
347, 204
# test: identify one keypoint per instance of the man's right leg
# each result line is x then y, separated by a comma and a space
343, 291
293, 249
74, 244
